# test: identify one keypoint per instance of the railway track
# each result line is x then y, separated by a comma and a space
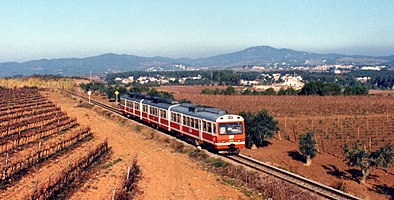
313, 186
103, 105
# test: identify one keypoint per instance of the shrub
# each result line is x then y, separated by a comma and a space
259, 127
307, 145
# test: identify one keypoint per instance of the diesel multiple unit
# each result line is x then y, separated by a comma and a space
202, 125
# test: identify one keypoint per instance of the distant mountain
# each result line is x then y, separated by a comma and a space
77, 66
260, 55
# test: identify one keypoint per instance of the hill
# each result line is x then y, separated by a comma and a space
107, 63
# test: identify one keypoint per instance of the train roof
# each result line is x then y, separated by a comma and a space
204, 112
133, 96
158, 104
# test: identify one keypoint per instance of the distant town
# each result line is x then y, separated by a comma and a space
262, 78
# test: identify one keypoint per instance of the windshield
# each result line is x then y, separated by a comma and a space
230, 129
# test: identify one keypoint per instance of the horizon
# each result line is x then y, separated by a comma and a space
120, 54
176, 29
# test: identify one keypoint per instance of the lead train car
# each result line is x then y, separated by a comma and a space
212, 127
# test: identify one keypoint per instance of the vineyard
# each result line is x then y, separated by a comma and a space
42, 150
336, 120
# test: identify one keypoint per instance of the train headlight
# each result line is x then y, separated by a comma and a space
239, 140
223, 141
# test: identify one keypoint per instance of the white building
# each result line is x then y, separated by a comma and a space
276, 76
375, 68
245, 82
362, 79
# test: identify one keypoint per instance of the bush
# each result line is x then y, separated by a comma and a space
259, 127
307, 145
355, 90
321, 88
367, 160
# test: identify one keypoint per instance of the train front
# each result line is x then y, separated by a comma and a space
230, 136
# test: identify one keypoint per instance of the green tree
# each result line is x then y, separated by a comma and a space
269, 91
308, 148
259, 127
321, 88
246, 92
355, 90
206, 91
230, 90
367, 160
185, 101
255, 93
153, 92
216, 91
139, 88
166, 95
282, 91
291, 91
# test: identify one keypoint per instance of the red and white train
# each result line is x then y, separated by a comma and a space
211, 127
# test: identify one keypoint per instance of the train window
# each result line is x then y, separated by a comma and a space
197, 124
222, 129
209, 127
204, 126
136, 106
178, 118
233, 128
129, 104
122, 101
214, 128
188, 121
145, 108
163, 113
173, 117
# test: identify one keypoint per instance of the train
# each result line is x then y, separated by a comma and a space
204, 126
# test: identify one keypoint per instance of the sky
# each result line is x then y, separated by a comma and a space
194, 28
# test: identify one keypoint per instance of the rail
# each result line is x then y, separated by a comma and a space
95, 102
313, 186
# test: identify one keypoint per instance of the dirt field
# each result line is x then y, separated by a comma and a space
336, 120
326, 169
165, 174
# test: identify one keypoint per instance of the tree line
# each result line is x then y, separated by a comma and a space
109, 90
311, 88
383, 79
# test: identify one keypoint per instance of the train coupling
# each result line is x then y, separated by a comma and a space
230, 150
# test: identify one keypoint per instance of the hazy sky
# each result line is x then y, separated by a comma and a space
34, 29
